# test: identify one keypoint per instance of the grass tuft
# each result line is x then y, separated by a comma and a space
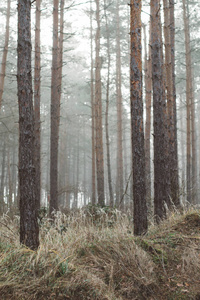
92, 254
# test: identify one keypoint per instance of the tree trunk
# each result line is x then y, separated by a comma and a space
189, 99
3, 164
29, 230
107, 110
37, 104
120, 172
170, 107
93, 111
160, 163
148, 86
138, 154
175, 162
55, 115
5, 52
98, 115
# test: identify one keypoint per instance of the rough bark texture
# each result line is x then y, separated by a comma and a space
98, 115
55, 115
111, 202
119, 186
93, 110
37, 103
138, 154
60, 48
170, 107
175, 163
160, 170
29, 230
148, 86
188, 100
5, 52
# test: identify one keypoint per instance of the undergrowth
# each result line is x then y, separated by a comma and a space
92, 254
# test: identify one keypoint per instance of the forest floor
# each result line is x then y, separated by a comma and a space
93, 254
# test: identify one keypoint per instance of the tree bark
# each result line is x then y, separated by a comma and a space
160, 163
93, 110
98, 115
138, 154
120, 172
5, 52
107, 110
37, 84
189, 100
55, 116
3, 164
175, 163
148, 86
29, 230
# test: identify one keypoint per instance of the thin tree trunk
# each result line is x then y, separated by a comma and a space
175, 163
107, 110
5, 52
98, 114
120, 172
10, 186
55, 115
138, 154
29, 230
3, 164
188, 99
93, 110
37, 104
148, 86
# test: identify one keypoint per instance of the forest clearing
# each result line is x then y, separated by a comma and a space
93, 254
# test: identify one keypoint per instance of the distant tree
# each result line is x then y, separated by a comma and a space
92, 109
111, 202
138, 154
55, 115
98, 114
119, 183
5, 52
29, 230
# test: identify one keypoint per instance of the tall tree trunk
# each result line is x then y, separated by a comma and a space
189, 99
5, 52
175, 162
29, 230
138, 154
160, 170
148, 85
107, 110
119, 115
93, 110
55, 115
37, 104
98, 114
170, 106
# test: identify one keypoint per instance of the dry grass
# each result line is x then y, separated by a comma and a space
93, 255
